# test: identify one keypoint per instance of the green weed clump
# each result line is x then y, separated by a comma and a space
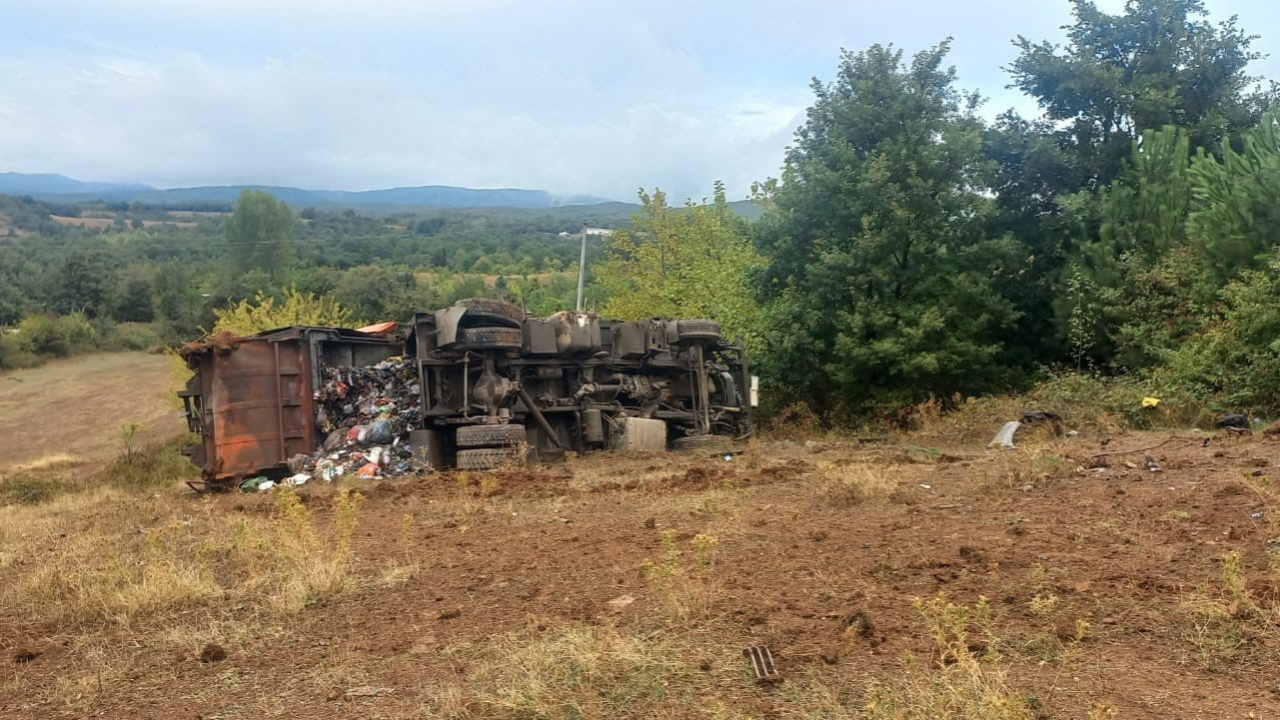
962, 684
684, 578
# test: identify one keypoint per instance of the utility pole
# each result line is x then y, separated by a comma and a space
582, 267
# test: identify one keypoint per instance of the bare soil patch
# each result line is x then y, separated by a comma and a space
1130, 584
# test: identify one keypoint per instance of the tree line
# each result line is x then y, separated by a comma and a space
910, 250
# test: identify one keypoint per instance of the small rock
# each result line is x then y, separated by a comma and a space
705, 666
450, 614
335, 695
831, 655
818, 536
651, 523
212, 653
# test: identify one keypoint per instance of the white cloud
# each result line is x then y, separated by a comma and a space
573, 96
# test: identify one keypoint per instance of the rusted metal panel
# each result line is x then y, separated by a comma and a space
260, 403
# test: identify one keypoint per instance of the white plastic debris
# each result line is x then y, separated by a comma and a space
296, 480
266, 486
1004, 438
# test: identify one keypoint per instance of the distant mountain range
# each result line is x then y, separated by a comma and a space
62, 188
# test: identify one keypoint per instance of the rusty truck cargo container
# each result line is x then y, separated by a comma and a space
251, 399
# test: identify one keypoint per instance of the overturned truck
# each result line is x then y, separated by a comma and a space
472, 386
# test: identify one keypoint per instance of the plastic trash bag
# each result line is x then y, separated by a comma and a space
380, 433
1004, 438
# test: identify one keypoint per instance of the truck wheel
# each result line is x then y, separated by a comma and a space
701, 443
478, 436
489, 458
489, 312
490, 338
698, 329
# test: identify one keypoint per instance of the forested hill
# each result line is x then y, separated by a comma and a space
60, 188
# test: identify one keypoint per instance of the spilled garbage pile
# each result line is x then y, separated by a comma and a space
366, 414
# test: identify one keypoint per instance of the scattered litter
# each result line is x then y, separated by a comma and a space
1004, 438
1151, 464
762, 666
1073, 433
367, 413
926, 487
256, 483
1150, 402
296, 480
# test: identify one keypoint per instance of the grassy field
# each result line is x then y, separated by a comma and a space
74, 413
920, 578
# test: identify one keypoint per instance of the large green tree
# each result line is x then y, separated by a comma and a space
883, 283
260, 235
1157, 63
1236, 215
84, 284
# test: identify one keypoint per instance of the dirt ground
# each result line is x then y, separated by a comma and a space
1110, 587
72, 412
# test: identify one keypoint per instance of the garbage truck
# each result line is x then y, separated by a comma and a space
473, 386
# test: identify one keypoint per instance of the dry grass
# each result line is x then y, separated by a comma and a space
849, 485
961, 685
74, 409
683, 577
150, 468
86, 563
581, 673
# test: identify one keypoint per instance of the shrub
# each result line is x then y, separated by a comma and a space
14, 353
264, 313
58, 336
132, 336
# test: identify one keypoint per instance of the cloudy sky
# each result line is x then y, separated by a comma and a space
572, 96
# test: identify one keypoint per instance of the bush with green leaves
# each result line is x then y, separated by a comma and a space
57, 336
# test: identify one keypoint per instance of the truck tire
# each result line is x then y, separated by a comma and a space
703, 443
479, 436
489, 458
698, 329
486, 312
490, 338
